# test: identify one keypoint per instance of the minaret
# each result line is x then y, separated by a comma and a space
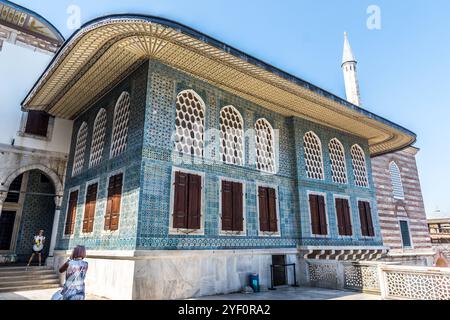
350, 75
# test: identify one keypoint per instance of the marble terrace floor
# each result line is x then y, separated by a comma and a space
280, 294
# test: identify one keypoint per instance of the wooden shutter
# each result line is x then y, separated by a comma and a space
71, 213
195, 200
180, 212
340, 217
112, 216
322, 216
363, 218
238, 207
227, 206
263, 210
272, 206
89, 209
370, 230
37, 123
314, 208
347, 219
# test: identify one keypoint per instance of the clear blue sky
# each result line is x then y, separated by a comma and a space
404, 68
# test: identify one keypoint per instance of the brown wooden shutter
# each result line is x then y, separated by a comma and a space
71, 213
180, 211
363, 218
37, 123
112, 215
89, 210
340, 216
314, 208
263, 210
195, 200
347, 218
272, 206
238, 207
370, 230
322, 216
227, 206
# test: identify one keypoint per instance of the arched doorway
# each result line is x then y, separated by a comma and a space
29, 206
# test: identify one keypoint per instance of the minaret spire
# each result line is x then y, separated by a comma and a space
350, 74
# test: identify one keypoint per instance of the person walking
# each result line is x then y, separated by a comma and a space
76, 269
38, 247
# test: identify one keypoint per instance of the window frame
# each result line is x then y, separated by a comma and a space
70, 191
403, 198
345, 162
242, 233
365, 165
321, 156
105, 202
277, 206
274, 151
372, 215
111, 156
324, 194
243, 136
348, 198
22, 130
187, 232
204, 140
91, 164
408, 223
86, 187
84, 125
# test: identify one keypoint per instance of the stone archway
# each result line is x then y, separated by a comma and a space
50, 173
37, 207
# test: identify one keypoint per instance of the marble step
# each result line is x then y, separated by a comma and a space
28, 276
36, 273
27, 283
30, 288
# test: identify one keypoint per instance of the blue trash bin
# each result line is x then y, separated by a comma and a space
254, 282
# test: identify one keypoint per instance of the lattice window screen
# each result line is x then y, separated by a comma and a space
396, 180
359, 166
265, 146
80, 149
120, 125
231, 136
337, 158
313, 156
98, 138
190, 123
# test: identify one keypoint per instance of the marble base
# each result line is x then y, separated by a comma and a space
167, 275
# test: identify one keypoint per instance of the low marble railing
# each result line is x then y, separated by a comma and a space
362, 276
415, 283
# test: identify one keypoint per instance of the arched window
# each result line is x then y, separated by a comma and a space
98, 138
337, 159
120, 125
359, 166
190, 123
231, 136
396, 180
80, 148
313, 156
265, 146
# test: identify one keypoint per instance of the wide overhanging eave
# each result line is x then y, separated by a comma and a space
292, 93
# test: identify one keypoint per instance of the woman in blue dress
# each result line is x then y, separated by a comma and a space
75, 268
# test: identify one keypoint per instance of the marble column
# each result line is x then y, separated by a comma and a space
58, 201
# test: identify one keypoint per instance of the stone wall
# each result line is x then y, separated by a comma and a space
128, 162
391, 210
163, 275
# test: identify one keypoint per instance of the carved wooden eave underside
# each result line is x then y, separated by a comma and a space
105, 50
